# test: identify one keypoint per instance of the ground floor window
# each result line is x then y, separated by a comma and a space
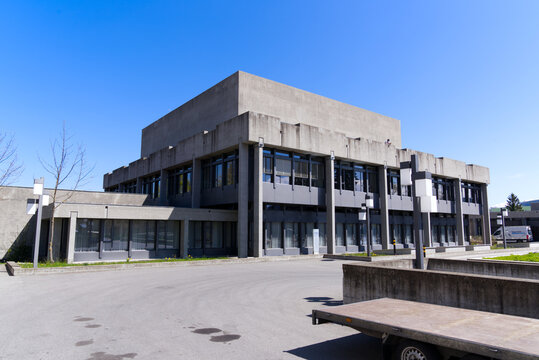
87, 235
212, 234
116, 235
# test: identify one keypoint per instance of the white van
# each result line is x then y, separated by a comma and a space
514, 233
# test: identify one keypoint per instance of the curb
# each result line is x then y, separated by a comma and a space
369, 258
15, 270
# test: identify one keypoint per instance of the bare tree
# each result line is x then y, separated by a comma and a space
10, 168
68, 166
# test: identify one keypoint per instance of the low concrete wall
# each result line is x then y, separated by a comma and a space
514, 269
476, 292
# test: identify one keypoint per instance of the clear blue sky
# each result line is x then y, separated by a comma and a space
462, 76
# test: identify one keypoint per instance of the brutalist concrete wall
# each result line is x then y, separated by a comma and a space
476, 292
17, 229
514, 269
215, 105
293, 105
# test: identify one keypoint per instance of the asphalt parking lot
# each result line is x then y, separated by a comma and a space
231, 311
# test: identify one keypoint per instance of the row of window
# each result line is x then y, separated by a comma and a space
220, 171
151, 186
394, 186
355, 177
282, 167
118, 235
471, 193
180, 180
298, 234
212, 234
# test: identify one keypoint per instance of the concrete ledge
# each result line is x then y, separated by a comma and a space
387, 258
17, 270
477, 247
531, 245
448, 249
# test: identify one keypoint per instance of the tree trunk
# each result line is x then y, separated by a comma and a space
51, 236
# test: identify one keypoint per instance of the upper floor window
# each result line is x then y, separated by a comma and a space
350, 176
282, 167
151, 186
220, 171
471, 193
180, 180
443, 189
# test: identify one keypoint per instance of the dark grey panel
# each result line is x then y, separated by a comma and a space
291, 251
288, 194
471, 208
86, 256
273, 252
218, 196
402, 203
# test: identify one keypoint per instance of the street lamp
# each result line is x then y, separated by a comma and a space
423, 200
501, 221
364, 214
43, 201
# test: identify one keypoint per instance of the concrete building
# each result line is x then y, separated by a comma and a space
279, 162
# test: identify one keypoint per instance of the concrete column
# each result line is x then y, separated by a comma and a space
139, 185
384, 208
330, 206
184, 239
243, 200
71, 237
258, 197
427, 230
196, 184
163, 188
485, 218
459, 218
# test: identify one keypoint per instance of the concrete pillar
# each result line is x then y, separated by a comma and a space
258, 198
427, 230
71, 237
330, 205
485, 218
384, 208
196, 184
459, 218
184, 239
243, 200
139, 185
163, 188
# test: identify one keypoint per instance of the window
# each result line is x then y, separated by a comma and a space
359, 178
168, 235
273, 234
347, 176
283, 168
322, 234
150, 186
87, 234
301, 171
307, 234
116, 235
372, 180
317, 173
143, 235
351, 237
179, 180
375, 233
442, 189
291, 235
471, 193
268, 166
339, 234
408, 234
393, 182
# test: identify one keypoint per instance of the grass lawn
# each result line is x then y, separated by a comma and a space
63, 263
528, 257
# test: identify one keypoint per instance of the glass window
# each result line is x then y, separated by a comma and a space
87, 235
168, 234
372, 181
301, 173
229, 234
317, 174
322, 234
339, 234
359, 177
291, 235
434, 233
274, 235
375, 233
408, 234
443, 238
283, 170
268, 167
206, 234
195, 234
307, 238
363, 234
351, 238
116, 235
218, 175
397, 236
143, 235
348, 179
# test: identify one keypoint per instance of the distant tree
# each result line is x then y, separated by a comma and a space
10, 168
68, 165
513, 203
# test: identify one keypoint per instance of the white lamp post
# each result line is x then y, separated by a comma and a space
364, 214
38, 190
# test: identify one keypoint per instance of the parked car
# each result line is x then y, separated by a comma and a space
514, 233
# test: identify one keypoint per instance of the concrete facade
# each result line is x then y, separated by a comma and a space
285, 162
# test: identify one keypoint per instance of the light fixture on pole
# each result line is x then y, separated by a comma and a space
501, 221
38, 190
364, 214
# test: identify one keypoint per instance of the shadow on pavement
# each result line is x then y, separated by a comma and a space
326, 301
358, 347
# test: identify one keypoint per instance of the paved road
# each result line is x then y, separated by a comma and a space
233, 311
